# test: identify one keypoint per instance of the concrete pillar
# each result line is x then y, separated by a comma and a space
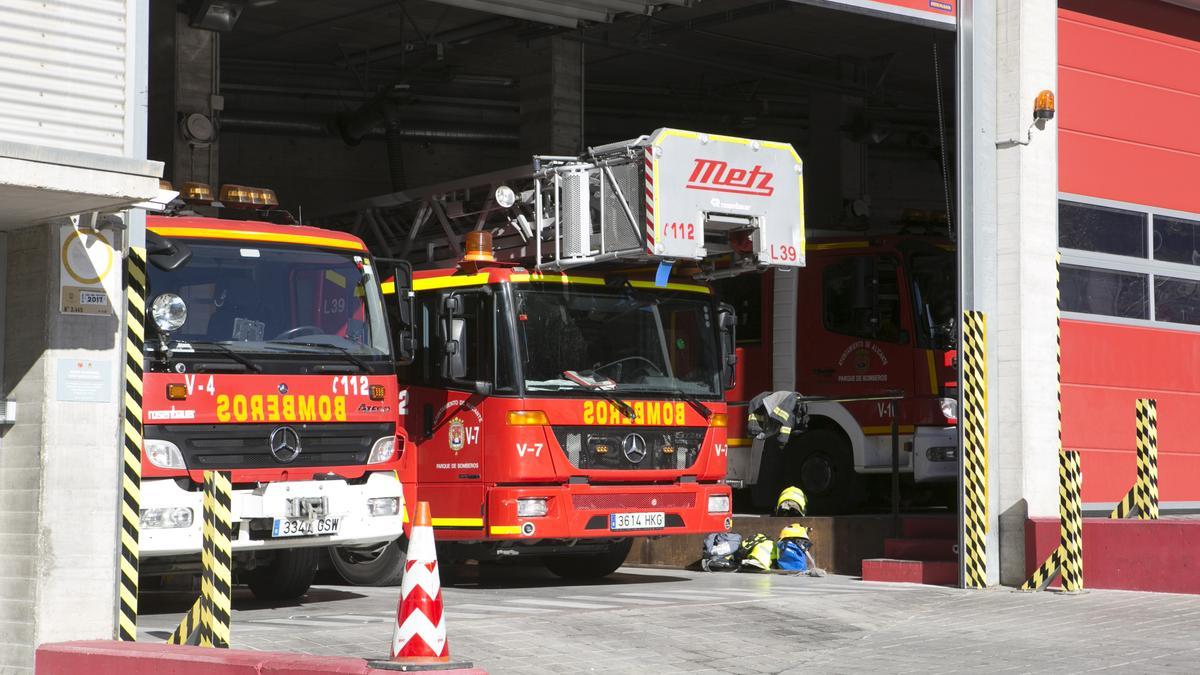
1024, 423
184, 98
59, 461
552, 98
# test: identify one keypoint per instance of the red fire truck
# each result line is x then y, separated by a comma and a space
872, 314
267, 354
567, 393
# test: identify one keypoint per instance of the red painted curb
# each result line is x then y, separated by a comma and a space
108, 657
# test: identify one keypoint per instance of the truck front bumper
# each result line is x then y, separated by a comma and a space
586, 511
254, 511
935, 454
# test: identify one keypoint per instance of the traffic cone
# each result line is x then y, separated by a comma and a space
419, 639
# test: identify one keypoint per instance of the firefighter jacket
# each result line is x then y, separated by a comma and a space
772, 413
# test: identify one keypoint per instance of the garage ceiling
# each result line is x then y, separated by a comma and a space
735, 66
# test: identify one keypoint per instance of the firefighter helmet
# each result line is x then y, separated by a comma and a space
794, 531
792, 500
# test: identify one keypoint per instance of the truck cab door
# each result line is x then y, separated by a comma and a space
856, 339
450, 413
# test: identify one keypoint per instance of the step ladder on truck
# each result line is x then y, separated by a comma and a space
572, 357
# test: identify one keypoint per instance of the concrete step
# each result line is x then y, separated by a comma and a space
929, 527
937, 572
920, 549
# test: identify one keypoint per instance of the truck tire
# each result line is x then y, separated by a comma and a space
384, 567
821, 463
288, 576
593, 566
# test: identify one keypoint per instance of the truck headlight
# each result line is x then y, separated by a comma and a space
163, 454
531, 508
718, 503
383, 450
166, 518
949, 408
383, 506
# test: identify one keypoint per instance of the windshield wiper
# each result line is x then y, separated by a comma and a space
626, 409
694, 401
230, 353
322, 345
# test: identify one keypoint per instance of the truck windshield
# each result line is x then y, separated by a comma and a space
934, 292
273, 301
628, 341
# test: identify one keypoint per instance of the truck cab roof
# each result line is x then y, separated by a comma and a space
199, 227
450, 278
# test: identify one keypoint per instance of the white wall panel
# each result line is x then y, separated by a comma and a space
64, 74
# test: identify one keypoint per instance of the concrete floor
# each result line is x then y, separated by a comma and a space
522, 620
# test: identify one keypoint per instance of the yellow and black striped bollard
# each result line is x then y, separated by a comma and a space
1142, 498
975, 464
131, 464
1067, 557
1071, 523
1146, 490
207, 622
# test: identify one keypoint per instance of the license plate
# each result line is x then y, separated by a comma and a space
637, 521
294, 527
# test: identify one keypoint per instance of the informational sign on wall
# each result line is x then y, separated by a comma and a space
84, 380
89, 270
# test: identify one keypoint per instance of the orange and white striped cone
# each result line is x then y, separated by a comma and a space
419, 639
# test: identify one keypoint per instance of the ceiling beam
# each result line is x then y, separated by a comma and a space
490, 7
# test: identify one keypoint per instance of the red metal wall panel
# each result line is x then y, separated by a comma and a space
1106, 367
1129, 98
1129, 92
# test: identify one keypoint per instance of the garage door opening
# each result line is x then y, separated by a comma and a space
329, 105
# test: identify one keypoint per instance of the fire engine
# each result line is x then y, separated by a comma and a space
268, 355
572, 358
871, 314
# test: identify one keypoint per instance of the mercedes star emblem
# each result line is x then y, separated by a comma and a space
634, 447
285, 444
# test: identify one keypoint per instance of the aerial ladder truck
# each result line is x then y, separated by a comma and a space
567, 393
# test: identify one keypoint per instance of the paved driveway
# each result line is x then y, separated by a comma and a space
522, 620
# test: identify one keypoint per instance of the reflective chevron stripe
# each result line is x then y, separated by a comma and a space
975, 467
131, 473
420, 629
1067, 558
1142, 498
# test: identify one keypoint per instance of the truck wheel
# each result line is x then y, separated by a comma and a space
593, 566
821, 463
383, 566
288, 576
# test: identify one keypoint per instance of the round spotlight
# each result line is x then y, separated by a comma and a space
505, 196
169, 311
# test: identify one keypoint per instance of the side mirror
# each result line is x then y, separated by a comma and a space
727, 325
166, 254
453, 327
866, 296
397, 287
405, 335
